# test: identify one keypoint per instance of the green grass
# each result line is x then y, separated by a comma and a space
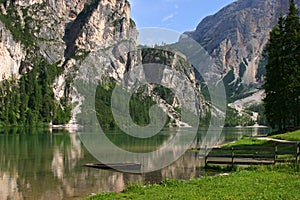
248, 141
258, 148
291, 136
276, 182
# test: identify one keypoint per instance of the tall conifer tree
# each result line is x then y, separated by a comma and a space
282, 78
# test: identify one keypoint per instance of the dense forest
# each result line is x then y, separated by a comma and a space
282, 101
29, 100
139, 105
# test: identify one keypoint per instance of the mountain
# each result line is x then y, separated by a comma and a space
48, 46
236, 37
42, 42
58, 29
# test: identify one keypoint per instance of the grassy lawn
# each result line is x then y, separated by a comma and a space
292, 136
274, 182
249, 142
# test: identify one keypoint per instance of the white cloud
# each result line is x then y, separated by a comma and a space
168, 17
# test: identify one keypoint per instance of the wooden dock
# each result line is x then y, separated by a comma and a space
117, 166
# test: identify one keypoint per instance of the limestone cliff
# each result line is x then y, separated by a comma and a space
236, 37
61, 33
11, 54
65, 34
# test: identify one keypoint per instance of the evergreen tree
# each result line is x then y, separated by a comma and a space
24, 100
30, 100
292, 30
282, 72
274, 86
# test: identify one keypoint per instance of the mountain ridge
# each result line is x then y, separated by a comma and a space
237, 35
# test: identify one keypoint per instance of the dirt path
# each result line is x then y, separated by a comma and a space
275, 140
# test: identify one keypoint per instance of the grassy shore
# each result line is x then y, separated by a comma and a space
291, 136
275, 182
281, 181
248, 141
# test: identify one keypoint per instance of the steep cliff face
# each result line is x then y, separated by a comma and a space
236, 37
60, 33
11, 54
65, 35
59, 28
62, 8
170, 103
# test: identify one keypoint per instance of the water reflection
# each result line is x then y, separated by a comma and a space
66, 157
9, 186
41, 165
166, 148
38, 164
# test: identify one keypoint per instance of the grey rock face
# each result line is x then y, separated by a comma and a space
69, 33
11, 54
236, 36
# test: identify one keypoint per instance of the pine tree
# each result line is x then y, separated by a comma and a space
282, 72
274, 86
292, 29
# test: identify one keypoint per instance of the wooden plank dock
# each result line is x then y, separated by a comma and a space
116, 166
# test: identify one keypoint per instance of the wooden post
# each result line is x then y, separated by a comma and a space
297, 152
232, 156
275, 152
205, 156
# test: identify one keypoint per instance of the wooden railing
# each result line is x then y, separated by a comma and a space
257, 155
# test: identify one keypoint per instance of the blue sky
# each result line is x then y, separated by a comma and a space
177, 15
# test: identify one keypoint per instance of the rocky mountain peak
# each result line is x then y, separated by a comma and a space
237, 35
58, 29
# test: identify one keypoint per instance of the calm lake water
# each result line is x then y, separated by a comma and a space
39, 164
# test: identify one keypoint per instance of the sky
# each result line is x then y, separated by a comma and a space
177, 15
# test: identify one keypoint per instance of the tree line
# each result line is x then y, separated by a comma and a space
139, 106
282, 80
29, 100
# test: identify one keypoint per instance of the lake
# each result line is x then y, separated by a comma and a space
43, 164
